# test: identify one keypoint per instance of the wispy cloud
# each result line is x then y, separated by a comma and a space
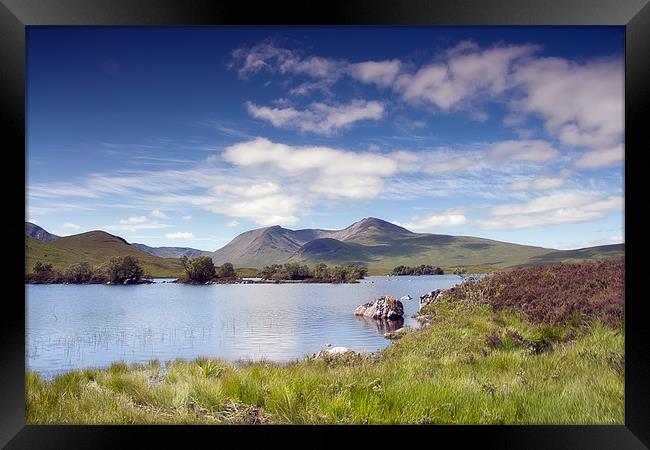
597, 159
135, 223
319, 118
535, 151
566, 207
158, 214
435, 220
179, 235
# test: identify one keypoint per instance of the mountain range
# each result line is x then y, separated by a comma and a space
379, 244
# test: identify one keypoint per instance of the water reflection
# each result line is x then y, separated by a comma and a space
382, 325
72, 327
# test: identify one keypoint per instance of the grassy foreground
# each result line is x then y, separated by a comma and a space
473, 363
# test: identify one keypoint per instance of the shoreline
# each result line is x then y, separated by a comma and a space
211, 282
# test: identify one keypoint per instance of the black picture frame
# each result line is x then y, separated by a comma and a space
15, 15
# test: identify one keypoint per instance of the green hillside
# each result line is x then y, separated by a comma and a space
94, 247
447, 252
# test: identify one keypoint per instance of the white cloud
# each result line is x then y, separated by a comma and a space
596, 159
524, 150
335, 172
466, 72
566, 207
133, 220
270, 210
435, 220
135, 223
263, 203
158, 214
581, 103
71, 226
187, 218
319, 118
382, 73
232, 224
179, 235
266, 56
542, 183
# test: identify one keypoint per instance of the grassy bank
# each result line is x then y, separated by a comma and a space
476, 362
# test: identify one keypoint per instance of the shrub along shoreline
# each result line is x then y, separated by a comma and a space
199, 270
479, 358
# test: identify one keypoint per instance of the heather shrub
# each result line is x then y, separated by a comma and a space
559, 294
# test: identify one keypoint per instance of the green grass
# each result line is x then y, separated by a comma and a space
448, 372
94, 247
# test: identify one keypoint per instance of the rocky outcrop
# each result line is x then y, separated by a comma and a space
386, 307
430, 297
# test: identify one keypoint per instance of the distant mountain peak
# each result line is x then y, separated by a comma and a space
379, 224
34, 231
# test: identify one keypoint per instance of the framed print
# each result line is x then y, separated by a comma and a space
274, 219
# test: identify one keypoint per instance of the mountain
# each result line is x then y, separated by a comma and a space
382, 245
171, 252
372, 231
94, 247
34, 231
257, 248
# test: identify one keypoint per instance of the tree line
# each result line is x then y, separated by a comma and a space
321, 272
117, 270
418, 270
127, 270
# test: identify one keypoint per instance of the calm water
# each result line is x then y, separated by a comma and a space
71, 327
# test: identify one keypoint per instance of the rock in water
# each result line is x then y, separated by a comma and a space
386, 307
430, 297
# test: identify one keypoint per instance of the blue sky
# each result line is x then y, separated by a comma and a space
189, 136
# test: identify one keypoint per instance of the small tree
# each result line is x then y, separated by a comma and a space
274, 271
121, 268
348, 272
294, 271
321, 271
199, 269
227, 271
79, 273
40, 267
